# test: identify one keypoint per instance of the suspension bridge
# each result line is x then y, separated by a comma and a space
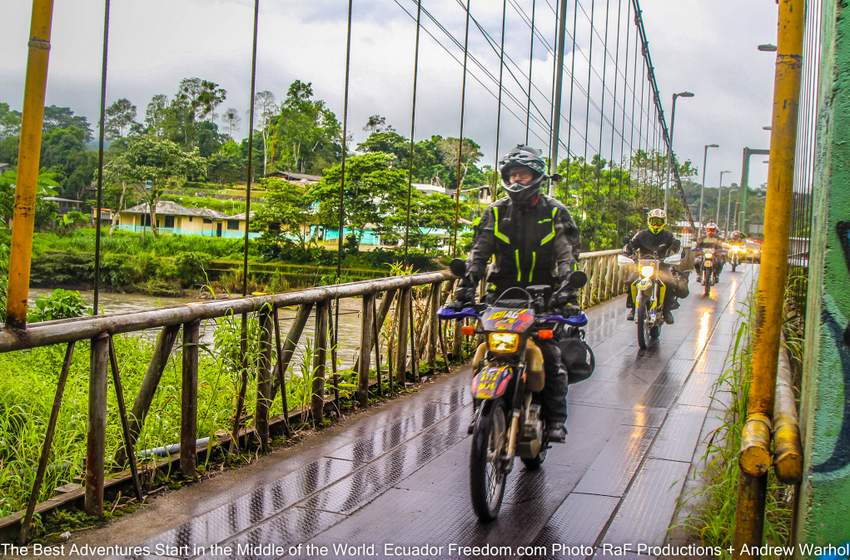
393, 479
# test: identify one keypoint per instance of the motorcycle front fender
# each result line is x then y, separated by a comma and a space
491, 382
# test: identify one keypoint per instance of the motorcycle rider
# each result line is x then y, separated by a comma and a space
656, 242
710, 241
534, 241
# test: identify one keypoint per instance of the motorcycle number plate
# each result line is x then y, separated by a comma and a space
491, 382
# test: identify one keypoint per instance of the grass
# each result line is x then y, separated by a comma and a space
28, 384
712, 521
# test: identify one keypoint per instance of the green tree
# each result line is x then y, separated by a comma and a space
227, 164
64, 152
156, 114
390, 142
45, 212
152, 164
120, 116
10, 121
266, 108
373, 190
231, 120
63, 117
286, 217
305, 136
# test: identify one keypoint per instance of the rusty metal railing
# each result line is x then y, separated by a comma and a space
417, 337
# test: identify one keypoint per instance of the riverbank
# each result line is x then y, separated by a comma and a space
182, 265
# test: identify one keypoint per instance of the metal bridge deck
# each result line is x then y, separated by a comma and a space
398, 473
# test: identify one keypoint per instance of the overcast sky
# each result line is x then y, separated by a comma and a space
705, 46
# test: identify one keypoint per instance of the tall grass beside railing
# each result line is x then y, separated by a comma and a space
712, 520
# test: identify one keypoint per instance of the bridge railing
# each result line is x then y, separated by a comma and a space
401, 310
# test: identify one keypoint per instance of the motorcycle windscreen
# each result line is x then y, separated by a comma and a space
506, 319
491, 382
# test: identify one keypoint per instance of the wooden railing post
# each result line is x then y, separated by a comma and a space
162, 350
264, 379
189, 409
367, 320
402, 310
320, 355
23, 535
96, 443
287, 350
380, 317
433, 325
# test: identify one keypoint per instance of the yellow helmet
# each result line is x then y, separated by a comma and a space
656, 220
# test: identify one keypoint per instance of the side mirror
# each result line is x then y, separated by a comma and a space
576, 280
458, 267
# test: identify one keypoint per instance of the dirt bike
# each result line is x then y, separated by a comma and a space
736, 253
708, 270
648, 294
508, 377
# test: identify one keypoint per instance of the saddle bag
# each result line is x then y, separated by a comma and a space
578, 359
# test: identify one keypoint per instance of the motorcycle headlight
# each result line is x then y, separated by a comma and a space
503, 343
647, 271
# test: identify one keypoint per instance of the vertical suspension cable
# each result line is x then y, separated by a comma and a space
614, 121
499, 100
249, 179
344, 148
555, 51
460, 139
644, 171
412, 130
626, 88
100, 155
572, 93
616, 78
602, 106
589, 82
530, 69
243, 337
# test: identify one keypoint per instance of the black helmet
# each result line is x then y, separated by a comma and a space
528, 157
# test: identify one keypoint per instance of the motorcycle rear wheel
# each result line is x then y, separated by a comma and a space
486, 470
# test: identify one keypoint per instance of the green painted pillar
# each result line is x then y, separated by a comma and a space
822, 516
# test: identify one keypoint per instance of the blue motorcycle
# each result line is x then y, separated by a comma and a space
508, 377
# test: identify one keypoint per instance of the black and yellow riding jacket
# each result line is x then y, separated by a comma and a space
534, 244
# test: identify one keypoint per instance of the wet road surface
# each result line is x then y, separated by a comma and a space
398, 473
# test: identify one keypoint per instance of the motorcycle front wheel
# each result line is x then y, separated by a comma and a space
486, 469
643, 328
706, 282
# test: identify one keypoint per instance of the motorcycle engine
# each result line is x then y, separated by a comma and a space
531, 437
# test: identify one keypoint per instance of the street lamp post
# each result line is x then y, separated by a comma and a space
702, 188
720, 196
670, 147
728, 209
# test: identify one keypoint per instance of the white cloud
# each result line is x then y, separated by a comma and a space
704, 46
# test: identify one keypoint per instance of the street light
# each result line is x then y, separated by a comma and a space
702, 188
670, 147
768, 47
767, 128
720, 195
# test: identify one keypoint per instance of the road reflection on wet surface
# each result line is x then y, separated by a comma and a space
399, 474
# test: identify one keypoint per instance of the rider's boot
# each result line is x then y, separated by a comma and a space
668, 316
557, 432
630, 314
